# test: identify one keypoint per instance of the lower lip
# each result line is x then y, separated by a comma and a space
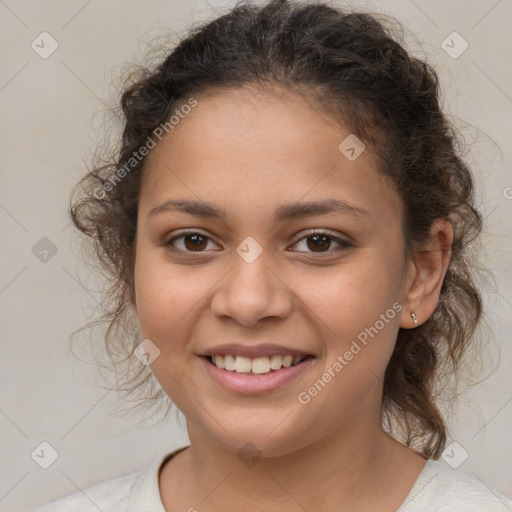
247, 384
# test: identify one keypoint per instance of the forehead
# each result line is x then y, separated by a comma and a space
251, 147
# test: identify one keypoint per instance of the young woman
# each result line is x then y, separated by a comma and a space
288, 223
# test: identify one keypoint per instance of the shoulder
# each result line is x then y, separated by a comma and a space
136, 492
106, 496
440, 488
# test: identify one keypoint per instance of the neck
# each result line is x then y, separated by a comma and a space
367, 470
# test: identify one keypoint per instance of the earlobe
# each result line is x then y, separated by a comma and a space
428, 270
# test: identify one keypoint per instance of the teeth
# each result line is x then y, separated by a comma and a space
276, 362
242, 364
258, 365
287, 361
229, 363
261, 365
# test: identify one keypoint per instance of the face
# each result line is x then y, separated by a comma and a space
268, 260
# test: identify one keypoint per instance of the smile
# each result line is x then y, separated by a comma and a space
257, 365
262, 374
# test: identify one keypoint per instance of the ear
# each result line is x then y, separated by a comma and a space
426, 273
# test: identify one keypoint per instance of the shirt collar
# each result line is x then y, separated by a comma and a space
145, 493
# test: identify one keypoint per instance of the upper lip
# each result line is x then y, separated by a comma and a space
265, 349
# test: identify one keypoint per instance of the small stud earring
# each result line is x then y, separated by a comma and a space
414, 318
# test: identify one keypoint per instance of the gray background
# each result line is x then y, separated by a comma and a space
48, 112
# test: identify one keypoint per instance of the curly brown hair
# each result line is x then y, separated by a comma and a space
357, 70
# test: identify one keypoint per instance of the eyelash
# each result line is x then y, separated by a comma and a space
343, 243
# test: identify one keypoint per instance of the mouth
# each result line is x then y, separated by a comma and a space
255, 366
255, 375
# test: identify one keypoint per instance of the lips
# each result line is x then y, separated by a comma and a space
249, 369
254, 351
249, 383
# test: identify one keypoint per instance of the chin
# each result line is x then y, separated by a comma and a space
260, 440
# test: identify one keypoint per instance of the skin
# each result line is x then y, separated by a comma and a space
248, 154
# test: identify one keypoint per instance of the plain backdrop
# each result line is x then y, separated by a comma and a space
47, 111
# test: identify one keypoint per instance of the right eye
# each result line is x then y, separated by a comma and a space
189, 241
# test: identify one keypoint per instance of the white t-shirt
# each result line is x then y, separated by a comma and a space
438, 488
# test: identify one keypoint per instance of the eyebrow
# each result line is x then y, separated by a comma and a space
284, 212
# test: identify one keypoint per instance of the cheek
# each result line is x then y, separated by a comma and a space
352, 307
165, 294
350, 295
167, 298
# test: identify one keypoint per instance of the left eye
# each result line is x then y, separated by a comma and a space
321, 242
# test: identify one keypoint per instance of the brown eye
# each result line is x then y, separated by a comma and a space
321, 243
189, 242
195, 242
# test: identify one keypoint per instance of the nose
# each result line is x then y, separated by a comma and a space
251, 292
